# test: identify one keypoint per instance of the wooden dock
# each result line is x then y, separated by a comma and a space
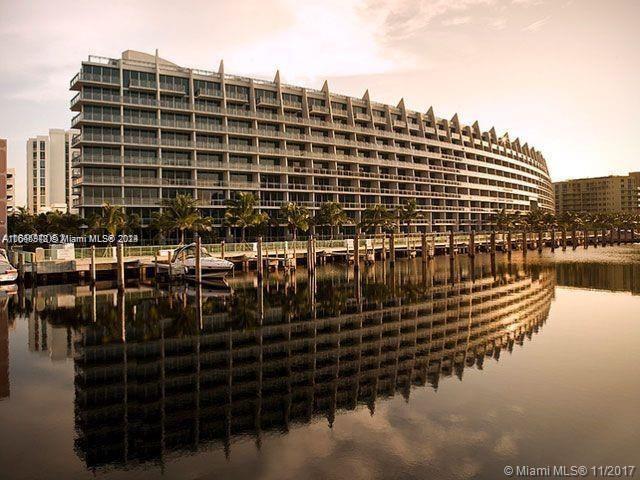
142, 262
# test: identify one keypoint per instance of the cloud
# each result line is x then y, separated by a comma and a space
535, 26
450, 22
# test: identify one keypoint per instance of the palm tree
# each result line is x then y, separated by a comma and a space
242, 213
181, 213
501, 220
377, 217
21, 222
295, 217
408, 213
331, 214
112, 220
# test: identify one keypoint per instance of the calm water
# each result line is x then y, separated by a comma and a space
444, 372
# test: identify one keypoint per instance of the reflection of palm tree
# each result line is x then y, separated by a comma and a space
242, 307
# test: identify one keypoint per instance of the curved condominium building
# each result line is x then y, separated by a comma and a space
150, 129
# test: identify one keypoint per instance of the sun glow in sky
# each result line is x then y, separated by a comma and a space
562, 75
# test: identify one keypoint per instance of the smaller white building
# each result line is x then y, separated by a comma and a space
49, 179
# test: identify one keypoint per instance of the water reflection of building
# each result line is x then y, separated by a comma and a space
614, 277
4, 349
46, 335
172, 385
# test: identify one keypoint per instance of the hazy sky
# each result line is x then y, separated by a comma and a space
563, 75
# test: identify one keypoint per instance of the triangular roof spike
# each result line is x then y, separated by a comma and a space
325, 87
430, 112
366, 95
401, 104
221, 67
505, 137
516, 142
476, 127
455, 119
276, 79
493, 133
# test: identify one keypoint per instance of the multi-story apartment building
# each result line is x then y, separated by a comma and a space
615, 193
11, 190
3, 190
150, 129
49, 183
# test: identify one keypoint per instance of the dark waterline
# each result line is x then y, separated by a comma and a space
453, 370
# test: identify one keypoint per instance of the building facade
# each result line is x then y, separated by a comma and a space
149, 130
49, 182
11, 190
616, 193
3, 190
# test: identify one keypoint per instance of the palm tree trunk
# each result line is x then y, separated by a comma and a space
242, 234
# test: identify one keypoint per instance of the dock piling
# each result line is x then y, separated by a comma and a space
392, 248
198, 259
120, 261
93, 264
259, 260
425, 248
356, 252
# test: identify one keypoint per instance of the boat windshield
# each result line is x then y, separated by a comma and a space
189, 251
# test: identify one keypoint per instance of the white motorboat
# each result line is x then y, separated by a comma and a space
184, 259
8, 274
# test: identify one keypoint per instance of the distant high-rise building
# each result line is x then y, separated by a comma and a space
615, 193
150, 130
11, 190
3, 190
49, 171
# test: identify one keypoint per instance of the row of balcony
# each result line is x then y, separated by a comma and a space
186, 163
208, 127
291, 153
521, 186
416, 136
264, 185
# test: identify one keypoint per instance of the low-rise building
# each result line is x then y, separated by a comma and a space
615, 193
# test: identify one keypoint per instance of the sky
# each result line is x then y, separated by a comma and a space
562, 75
